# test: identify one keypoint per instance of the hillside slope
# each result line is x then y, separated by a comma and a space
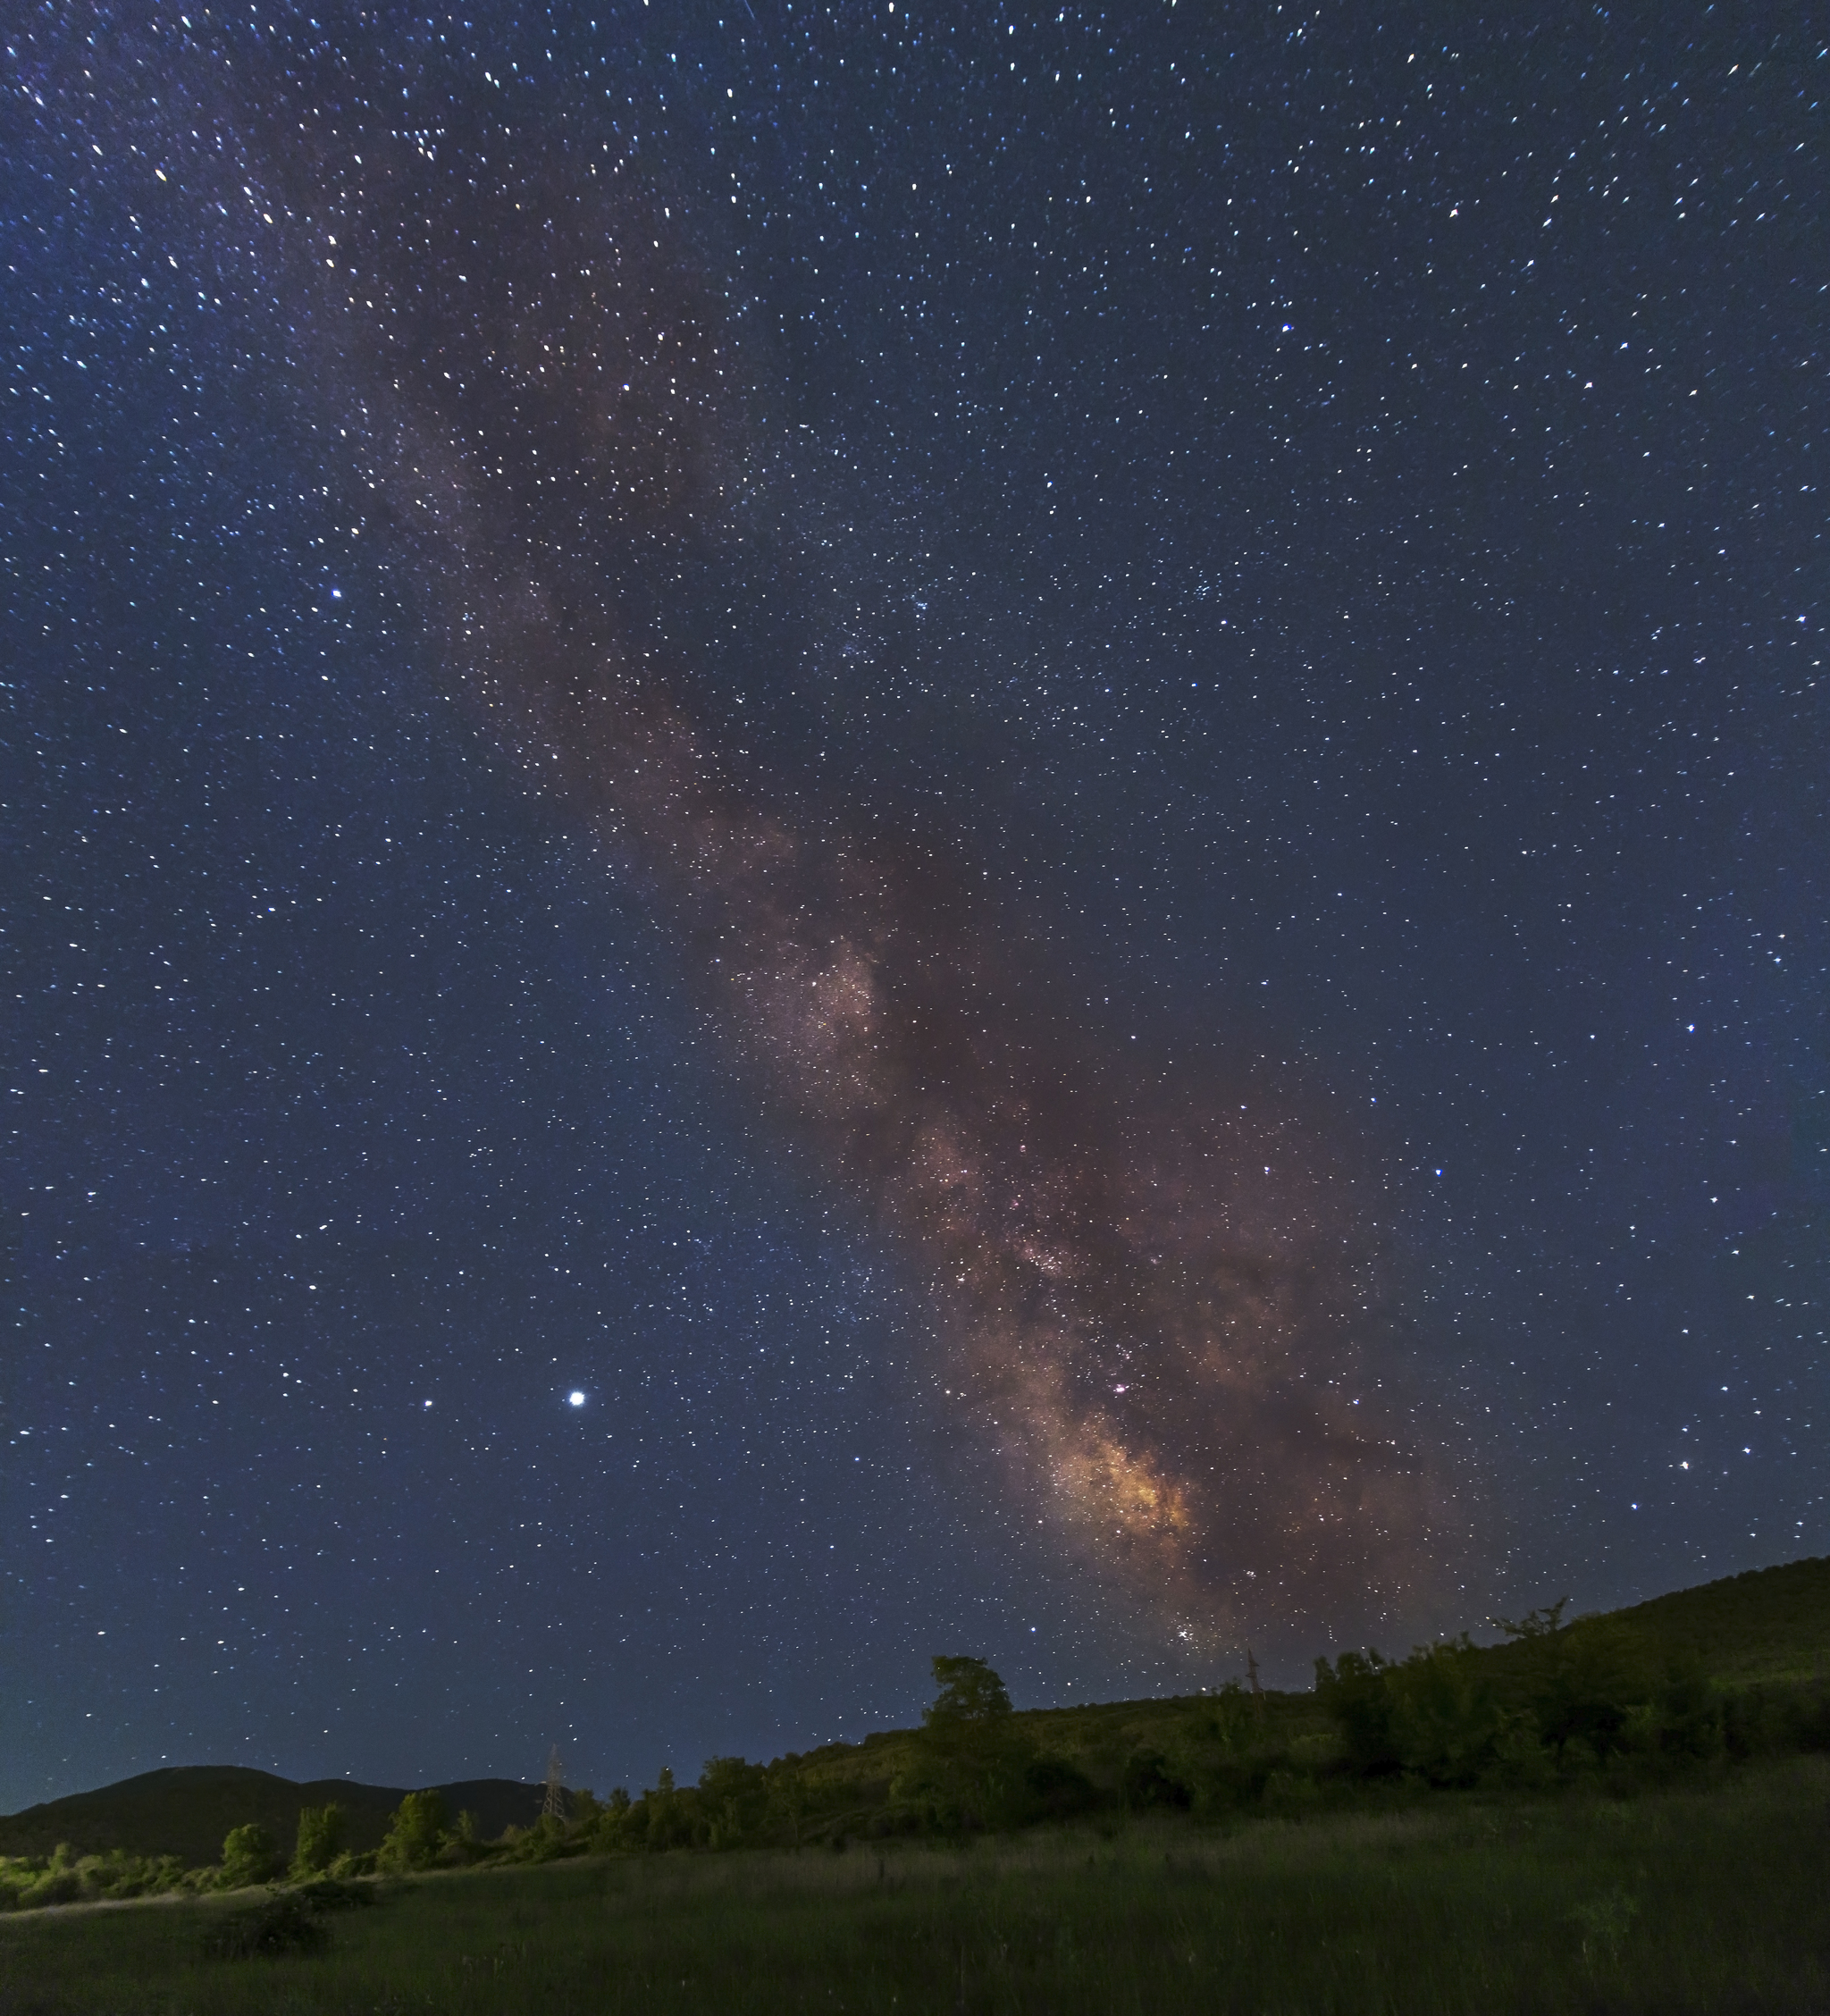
1768, 1625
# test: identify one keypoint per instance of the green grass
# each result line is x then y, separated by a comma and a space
1707, 1898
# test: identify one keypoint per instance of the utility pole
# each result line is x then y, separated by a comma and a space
553, 1807
1251, 1675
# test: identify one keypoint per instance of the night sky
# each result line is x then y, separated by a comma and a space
840, 832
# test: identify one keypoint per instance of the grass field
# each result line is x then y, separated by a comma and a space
1707, 1898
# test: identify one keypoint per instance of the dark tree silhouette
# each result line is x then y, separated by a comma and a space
970, 1691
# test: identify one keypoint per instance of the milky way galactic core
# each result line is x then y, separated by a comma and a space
1155, 1304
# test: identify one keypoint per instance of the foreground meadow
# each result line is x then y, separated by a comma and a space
1707, 1899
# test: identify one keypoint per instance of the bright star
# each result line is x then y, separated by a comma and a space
574, 1399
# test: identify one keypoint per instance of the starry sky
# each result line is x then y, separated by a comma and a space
843, 831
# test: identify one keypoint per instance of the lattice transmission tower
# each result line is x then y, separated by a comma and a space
553, 1806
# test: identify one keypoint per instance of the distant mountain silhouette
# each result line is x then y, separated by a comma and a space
187, 1809
1767, 1626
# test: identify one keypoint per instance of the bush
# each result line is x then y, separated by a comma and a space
964, 1775
55, 1886
1225, 1784
249, 1856
1585, 1682
924, 1801
546, 1840
1355, 1693
1684, 1720
671, 1812
416, 1834
1434, 1715
1520, 1762
1445, 1720
283, 1924
733, 1801
1149, 1780
327, 1894
1057, 1790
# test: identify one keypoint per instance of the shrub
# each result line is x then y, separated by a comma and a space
416, 1834
545, 1842
733, 1800
327, 1894
1057, 1789
1355, 1693
1520, 1762
283, 1924
1445, 1720
671, 1812
55, 1886
1148, 1779
964, 1774
1585, 1682
249, 1856
1435, 1714
788, 1796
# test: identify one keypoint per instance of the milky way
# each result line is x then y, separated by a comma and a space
1162, 1314
1050, 782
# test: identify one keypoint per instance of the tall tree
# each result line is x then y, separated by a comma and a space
320, 1837
970, 1691
418, 1832
250, 1855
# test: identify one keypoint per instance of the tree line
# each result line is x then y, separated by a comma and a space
1558, 1705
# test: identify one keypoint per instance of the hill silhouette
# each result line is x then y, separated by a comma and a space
186, 1809
1768, 1625
1768, 1628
